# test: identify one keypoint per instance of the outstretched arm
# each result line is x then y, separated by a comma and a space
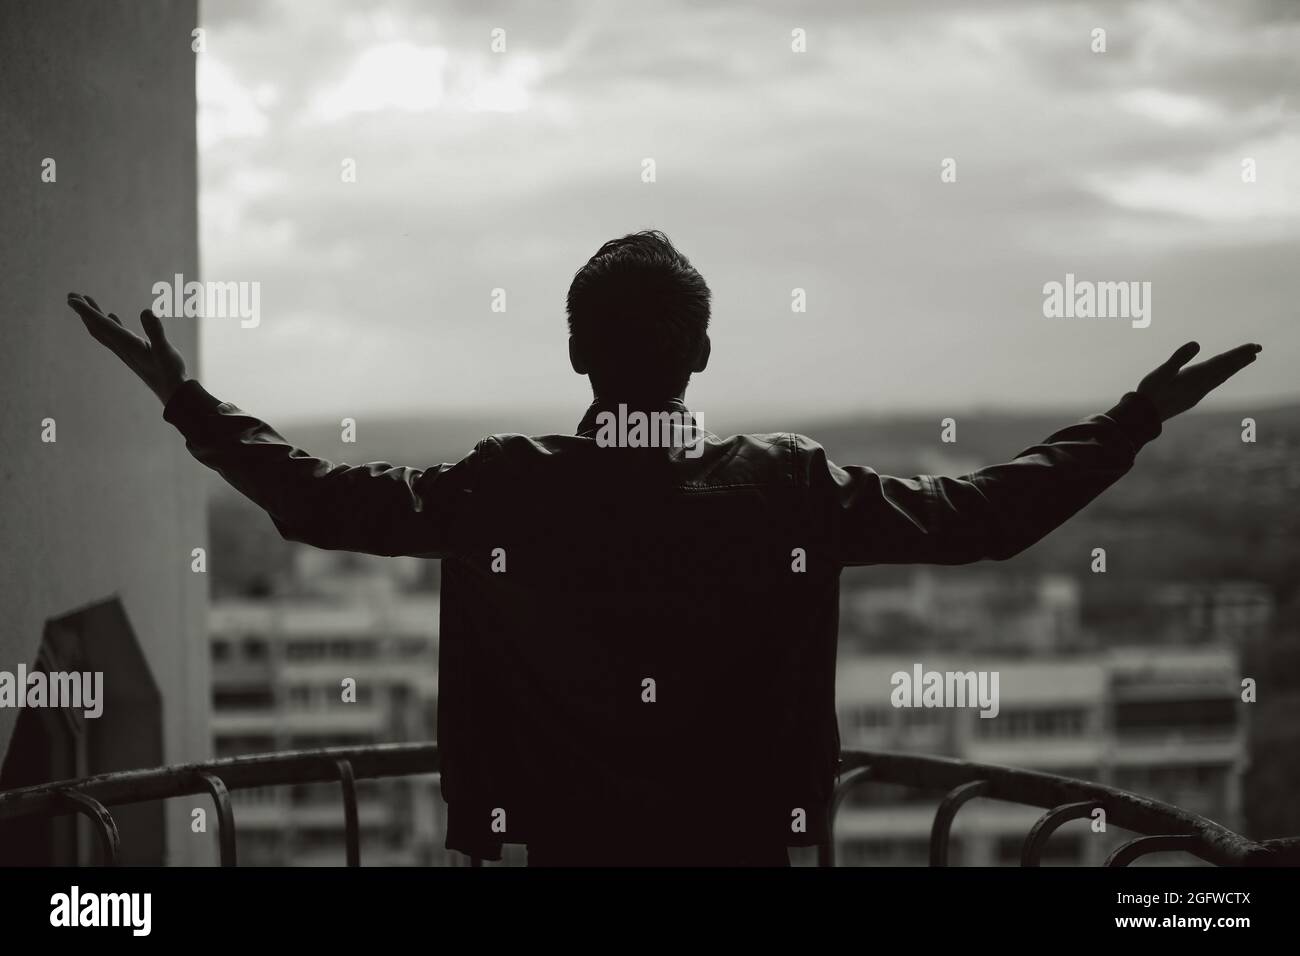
999, 511
375, 508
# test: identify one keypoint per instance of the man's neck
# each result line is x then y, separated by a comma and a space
638, 402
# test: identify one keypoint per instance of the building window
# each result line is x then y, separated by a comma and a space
1040, 722
242, 698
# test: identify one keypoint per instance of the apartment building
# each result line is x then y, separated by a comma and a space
1165, 722
351, 662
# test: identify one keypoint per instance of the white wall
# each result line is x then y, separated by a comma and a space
106, 89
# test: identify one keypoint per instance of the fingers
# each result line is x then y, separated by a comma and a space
1183, 355
1241, 352
153, 327
1213, 372
111, 315
1165, 373
94, 321
103, 329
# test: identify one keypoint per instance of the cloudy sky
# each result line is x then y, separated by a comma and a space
775, 170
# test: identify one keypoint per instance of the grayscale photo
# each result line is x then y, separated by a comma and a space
451, 439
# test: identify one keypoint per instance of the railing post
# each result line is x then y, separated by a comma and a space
826, 849
225, 817
352, 834
1047, 824
103, 821
948, 807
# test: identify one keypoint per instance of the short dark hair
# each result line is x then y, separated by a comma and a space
638, 312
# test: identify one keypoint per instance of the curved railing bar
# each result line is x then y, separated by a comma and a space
826, 848
225, 816
952, 801
1048, 823
103, 821
1162, 843
237, 773
1214, 842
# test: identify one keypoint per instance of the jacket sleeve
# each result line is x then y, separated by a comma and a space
993, 513
375, 508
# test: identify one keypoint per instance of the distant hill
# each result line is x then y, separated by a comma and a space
894, 443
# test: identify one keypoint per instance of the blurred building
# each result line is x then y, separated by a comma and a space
1236, 611
1272, 810
1163, 722
976, 609
284, 668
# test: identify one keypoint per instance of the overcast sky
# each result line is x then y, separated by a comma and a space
819, 170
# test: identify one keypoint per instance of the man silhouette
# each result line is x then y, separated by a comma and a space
637, 645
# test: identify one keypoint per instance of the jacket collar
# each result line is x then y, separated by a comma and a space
588, 425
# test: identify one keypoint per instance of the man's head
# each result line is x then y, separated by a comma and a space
638, 318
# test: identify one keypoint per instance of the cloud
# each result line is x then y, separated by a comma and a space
478, 170
227, 109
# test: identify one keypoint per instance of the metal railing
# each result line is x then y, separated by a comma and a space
1164, 828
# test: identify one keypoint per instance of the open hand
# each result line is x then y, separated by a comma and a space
1174, 389
155, 360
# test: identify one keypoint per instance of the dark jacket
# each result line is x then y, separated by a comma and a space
637, 645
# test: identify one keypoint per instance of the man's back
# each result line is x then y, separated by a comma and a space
638, 649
